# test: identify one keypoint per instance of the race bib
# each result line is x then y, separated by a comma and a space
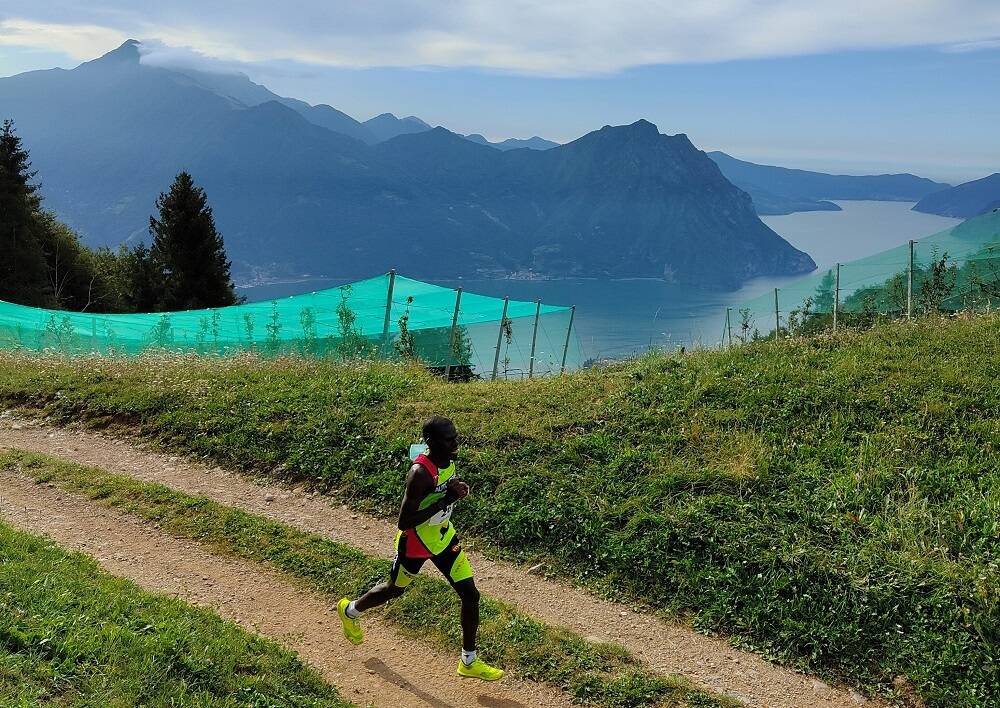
442, 516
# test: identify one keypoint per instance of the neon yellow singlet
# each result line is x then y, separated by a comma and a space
437, 532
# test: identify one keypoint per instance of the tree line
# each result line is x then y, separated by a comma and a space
43, 262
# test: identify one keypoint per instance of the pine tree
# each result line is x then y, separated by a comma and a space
145, 287
188, 254
23, 276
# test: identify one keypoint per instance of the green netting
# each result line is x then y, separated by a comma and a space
351, 321
955, 269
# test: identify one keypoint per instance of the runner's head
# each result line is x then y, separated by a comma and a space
441, 437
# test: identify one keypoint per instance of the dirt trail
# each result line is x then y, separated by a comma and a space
378, 673
667, 647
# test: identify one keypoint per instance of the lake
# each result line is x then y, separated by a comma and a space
618, 318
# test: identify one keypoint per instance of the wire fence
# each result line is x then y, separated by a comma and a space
955, 269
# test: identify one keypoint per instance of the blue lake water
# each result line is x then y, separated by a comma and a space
618, 318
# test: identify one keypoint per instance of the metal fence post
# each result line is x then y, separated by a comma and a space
388, 311
836, 298
503, 320
729, 325
909, 285
569, 329
534, 338
454, 330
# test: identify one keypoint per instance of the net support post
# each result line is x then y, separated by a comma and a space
534, 338
909, 285
729, 325
503, 320
836, 298
452, 341
569, 330
777, 317
388, 311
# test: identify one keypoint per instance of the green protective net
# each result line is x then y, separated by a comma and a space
955, 269
347, 322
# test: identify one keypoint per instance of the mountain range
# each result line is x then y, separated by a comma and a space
532, 143
300, 189
780, 190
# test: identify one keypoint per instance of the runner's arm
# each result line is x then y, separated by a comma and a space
418, 486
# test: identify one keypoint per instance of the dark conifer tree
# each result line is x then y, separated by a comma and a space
146, 286
23, 276
187, 252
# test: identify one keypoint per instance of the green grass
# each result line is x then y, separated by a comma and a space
833, 502
595, 673
71, 635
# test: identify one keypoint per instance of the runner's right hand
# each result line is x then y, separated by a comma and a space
458, 488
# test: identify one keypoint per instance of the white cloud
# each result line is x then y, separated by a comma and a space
979, 46
523, 36
80, 41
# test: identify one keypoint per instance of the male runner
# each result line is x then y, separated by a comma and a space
425, 532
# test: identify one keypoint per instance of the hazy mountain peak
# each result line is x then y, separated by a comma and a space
641, 132
643, 124
443, 133
640, 127
127, 53
532, 143
393, 116
386, 126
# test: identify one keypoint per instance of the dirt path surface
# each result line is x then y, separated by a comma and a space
377, 673
668, 647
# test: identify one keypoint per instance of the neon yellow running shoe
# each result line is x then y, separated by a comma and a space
479, 669
352, 628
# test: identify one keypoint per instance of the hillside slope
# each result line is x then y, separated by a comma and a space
966, 200
830, 501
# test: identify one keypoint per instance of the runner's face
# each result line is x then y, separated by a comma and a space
446, 444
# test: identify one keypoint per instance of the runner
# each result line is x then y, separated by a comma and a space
426, 533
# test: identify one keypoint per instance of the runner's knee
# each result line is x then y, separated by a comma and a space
467, 591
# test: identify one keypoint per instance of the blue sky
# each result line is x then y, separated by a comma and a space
907, 85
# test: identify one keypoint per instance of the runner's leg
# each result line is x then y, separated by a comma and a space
469, 594
401, 574
454, 565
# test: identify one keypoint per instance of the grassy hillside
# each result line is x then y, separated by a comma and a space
833, 502
71, 635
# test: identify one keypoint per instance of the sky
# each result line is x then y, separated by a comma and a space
845, 86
